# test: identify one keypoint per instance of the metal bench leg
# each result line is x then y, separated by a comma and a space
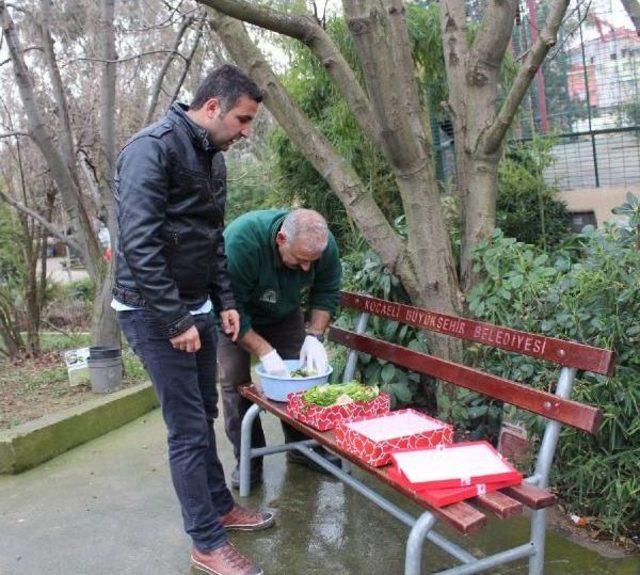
538, 529
413, 559
245, 448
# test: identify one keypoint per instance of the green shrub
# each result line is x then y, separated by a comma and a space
588, 291
364, 272
82, 290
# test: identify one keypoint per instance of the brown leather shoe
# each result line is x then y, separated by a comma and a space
223, 561
243, 519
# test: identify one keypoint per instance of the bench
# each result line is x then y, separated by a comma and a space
470, 515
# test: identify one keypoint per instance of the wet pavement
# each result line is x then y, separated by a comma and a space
107, 508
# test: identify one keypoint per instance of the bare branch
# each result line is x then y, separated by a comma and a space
167, 22
546, 40
188, 62
24, 51
307, 30
47, 225
155, 92
121, 60
62, 108
15, 135
89, 173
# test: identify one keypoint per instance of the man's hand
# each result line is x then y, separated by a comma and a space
273, 365
188, 341
313, 355
230, 323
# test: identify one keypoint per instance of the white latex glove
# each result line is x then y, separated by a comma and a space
273, 365
313, 355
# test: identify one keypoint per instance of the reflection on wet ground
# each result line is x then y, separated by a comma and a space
108, 508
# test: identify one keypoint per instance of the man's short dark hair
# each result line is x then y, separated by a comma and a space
227, 83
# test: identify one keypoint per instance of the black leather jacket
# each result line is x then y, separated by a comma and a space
170, 192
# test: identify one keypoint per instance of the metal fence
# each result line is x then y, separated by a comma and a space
586, 95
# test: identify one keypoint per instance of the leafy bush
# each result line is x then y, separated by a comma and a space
70, 305
527, 208
364, 272
589, 291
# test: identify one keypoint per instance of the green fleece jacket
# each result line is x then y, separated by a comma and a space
266, 290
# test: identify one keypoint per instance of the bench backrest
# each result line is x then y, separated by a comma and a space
554, 406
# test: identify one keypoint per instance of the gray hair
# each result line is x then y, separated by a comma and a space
308, 225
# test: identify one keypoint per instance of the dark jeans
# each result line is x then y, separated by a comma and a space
185, 385
234, 370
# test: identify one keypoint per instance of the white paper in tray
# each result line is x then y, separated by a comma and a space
450, 463
390, 426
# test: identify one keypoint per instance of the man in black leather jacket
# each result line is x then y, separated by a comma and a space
170, 270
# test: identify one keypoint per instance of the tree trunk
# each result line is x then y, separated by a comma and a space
104, 328
480, 211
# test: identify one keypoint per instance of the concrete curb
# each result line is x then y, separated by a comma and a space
35, 442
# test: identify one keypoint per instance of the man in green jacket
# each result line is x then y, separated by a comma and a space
275, 258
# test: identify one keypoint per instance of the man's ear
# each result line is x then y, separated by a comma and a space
281, 238
211, 105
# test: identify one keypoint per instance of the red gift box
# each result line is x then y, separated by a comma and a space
324, 418
442, 497
374, 440
450, 466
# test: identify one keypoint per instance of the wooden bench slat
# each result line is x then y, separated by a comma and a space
500, 504
562, 352
461, 516
532, 496
464, 517
570, 412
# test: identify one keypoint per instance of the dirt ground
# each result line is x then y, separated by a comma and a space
31, 388
590, 536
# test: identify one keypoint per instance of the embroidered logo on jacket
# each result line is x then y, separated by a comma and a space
269, 296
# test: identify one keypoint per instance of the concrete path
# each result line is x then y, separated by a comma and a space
108, 508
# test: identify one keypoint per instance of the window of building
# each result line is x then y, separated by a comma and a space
579, 220
614, 56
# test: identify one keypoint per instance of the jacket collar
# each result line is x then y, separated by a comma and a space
275, 228
197, 134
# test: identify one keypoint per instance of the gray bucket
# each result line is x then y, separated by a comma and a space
105, 374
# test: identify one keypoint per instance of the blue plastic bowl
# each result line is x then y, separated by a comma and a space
277, 388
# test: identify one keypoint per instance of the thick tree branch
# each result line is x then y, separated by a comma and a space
341, 177
632, 8
47, 225
453, 23
307, 30
380, 34
492, 139
491, 41
66, 136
